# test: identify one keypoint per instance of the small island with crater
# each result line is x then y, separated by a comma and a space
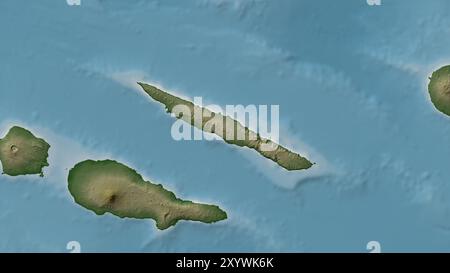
108, 186
439, 89
283, 157
21, 153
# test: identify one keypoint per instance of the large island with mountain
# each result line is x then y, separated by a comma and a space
111, 187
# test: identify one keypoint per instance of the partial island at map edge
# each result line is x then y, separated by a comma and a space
21, 153
109, 186
439, 89
283, 157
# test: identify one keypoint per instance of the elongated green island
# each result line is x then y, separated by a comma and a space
216, 123
439, 89
109, 186
22, 153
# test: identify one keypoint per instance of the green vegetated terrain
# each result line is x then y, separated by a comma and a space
109, 186
439, 89
210, 123
22, 153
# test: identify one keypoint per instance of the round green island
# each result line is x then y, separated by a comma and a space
22, 153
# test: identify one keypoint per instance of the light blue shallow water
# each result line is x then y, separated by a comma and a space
350, 80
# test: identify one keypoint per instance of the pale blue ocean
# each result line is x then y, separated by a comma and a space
350, 80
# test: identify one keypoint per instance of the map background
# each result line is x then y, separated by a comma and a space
350, 80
